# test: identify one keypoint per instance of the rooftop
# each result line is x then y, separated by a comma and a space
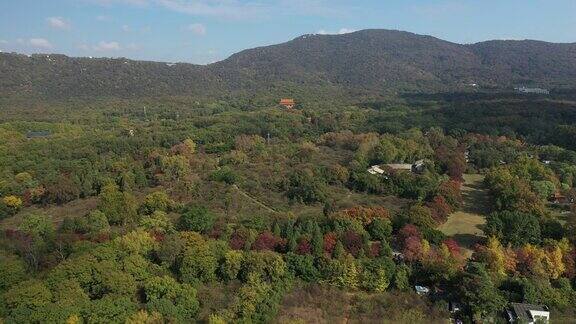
37, 134
400, 166
522, 311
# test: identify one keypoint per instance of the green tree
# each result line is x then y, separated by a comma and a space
119, 207
39, 238
513, 227
199, 264
402, 277
197, 219
27, 296
380, 229
175, 168
232, 265
304, 187
543, 188
12, 271
157, 222
173, 300
317, 242
480, 293
110, 309
136, 242
302, 266
373, 276
97, 223
156, 201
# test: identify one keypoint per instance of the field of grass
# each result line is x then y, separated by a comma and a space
465, 225
77, 208
316, 303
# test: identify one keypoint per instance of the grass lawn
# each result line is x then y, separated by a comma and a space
465, 225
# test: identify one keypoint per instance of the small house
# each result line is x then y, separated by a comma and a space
528, 313
532, 90
418, 166
421, 290
454, 307
37, 134
558, 198
400, 166
288, 103
397, 256
375, 169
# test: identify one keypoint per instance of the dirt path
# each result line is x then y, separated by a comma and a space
254, 200
465, 225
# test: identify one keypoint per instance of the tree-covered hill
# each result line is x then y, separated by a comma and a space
369, 61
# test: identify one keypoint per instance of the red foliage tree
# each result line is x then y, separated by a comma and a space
412, 249
407, 231
265, 241
365, 214
452, 193
452, 160
352, 242
440, 209
304, 246
330, 240
237, 240
569, 260
374, 249
453, 247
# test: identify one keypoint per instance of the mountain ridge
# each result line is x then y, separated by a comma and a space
373, 60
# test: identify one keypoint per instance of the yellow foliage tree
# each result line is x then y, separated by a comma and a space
12, 202
552, 262
495, 256
143, 317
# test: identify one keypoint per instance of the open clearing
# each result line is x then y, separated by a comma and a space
465, 225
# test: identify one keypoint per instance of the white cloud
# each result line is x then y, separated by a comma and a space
242, 9
322, 8
3, 41
441, 9
342, 31
84, 47
126, 28
197, 29
345, 31
38, 43
58, 23
132, 47
103, 18
107, 46
130, 2
228, 9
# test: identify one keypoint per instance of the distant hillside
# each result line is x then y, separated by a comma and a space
373, 61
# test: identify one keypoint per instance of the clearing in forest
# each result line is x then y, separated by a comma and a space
465, 225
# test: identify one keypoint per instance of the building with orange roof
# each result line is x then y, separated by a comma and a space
288, 103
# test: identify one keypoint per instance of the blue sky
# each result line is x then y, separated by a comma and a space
204, 31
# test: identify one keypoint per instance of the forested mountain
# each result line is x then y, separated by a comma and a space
371, 60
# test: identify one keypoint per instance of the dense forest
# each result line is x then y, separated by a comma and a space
187, 209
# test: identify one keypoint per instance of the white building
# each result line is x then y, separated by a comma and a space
528, 313
532, 90
375, 169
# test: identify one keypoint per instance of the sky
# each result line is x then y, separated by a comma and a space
206, 31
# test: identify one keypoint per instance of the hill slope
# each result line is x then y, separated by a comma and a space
371, 60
